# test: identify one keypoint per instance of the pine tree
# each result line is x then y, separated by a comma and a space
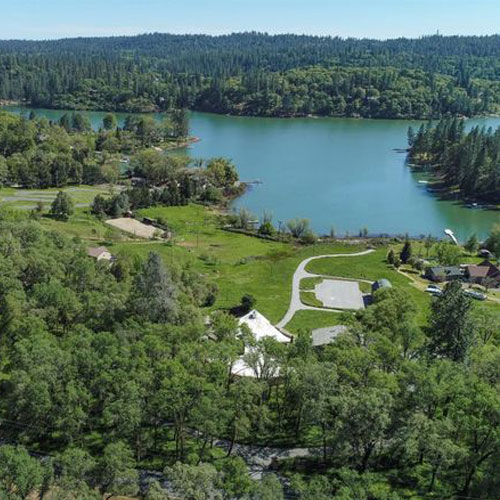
406, 252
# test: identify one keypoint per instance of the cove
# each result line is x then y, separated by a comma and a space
338, 172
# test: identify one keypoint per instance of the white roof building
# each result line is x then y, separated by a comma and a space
260, 327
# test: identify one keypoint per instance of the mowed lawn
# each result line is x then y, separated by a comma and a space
309, 320
373, 267
239, 264
28, 198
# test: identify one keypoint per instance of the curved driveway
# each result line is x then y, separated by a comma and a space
301, 273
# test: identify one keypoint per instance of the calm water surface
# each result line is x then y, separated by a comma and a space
333, 171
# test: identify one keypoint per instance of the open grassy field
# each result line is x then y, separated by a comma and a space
241, 264
308, 320
238, 263
26, 199
372, 267
309, 298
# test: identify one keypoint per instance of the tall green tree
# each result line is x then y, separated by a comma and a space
451, 331
62, 207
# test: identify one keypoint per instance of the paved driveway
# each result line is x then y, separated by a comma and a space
301, 273
339, 294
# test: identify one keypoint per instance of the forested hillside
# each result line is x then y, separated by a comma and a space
106, 368
468, 162
258, 74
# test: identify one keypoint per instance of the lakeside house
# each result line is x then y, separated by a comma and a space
260, 327
439, 274
325, 336
482, 273
99, 253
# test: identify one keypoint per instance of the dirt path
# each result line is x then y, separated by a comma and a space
301, 273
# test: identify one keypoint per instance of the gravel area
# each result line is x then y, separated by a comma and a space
133, 226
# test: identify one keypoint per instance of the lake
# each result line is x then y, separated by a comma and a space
336, 172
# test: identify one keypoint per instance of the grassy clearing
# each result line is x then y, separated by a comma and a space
309, 298
239, 264
310, 283
85, 226
26, 199
372, 267
308, 320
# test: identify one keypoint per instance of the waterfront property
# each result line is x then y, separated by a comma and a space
483, 273
334, 171
439, 274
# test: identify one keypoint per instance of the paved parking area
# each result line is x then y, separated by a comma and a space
339, 294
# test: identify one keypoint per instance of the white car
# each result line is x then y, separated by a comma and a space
434, 289
475, 295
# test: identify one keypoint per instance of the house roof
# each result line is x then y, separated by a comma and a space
492, 269
261, 327
446, 271
324, 336
477, 271
96, 251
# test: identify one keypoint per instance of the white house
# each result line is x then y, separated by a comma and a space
260, 327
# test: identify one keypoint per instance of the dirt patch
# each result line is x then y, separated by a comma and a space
133, 226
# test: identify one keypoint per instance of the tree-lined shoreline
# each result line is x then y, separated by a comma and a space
253, 74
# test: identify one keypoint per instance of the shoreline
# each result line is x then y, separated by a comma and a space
7, 102
435, 186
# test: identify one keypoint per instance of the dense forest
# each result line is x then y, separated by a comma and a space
107, 368
465, 162
258, 74
35, 153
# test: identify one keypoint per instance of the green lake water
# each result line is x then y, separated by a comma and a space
336, 172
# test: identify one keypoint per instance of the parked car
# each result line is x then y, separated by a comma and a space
475, 295
434, 289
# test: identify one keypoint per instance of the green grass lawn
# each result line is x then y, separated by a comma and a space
19, 197
310, 283
84, 225
241, 264
372, 267
309, 298
308, 320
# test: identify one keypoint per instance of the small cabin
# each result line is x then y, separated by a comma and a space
99, 253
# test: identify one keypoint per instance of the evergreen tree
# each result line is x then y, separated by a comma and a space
62, 206
406, 252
